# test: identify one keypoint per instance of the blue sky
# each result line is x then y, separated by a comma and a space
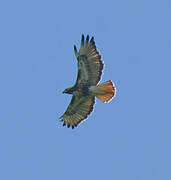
128, 138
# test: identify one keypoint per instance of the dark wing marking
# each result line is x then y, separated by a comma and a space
78, 110
90, 64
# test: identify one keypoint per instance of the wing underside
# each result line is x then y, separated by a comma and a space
90, 64
78, 110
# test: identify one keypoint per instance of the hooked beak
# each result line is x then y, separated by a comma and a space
64, 91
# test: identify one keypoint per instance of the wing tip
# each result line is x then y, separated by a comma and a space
65, 123
75, 49
82, 40
87, 39
92, 40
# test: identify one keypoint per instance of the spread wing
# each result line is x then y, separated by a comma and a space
90, 64
78, 110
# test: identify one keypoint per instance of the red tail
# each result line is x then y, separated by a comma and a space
105, 91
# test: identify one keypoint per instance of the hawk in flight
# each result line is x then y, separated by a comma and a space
86, 88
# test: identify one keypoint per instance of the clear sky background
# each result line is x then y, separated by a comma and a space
128, 138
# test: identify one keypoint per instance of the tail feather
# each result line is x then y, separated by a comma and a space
105, 91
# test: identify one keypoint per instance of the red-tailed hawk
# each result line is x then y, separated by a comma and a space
86, 89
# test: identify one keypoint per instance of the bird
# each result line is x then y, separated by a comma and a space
86, 87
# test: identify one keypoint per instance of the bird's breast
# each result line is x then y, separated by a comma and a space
82, 90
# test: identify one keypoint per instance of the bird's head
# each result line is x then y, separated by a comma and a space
68, 90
